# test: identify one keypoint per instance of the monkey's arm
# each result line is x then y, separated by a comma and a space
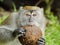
6, 27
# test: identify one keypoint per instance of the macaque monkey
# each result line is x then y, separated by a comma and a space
11, 28
7, 33
32, 15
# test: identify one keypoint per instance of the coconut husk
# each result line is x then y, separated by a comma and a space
33, 33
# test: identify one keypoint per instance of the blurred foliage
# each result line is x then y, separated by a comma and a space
1, 0
46, 1
3, 18
14, 7
52, 34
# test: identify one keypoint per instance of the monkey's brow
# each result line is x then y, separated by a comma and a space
31, 11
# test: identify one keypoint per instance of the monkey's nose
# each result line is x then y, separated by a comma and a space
30, 20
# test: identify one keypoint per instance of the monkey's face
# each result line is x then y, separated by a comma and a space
30, 16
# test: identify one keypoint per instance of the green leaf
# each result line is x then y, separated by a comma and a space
2, 19
14, 6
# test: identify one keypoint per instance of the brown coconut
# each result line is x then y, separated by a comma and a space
33, 33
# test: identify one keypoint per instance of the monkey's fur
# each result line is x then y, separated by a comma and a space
25, 16
7, 28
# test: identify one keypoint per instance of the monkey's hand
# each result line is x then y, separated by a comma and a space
19, 32
41, 41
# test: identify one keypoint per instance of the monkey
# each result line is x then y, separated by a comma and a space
7, 29
11, 28
32, 15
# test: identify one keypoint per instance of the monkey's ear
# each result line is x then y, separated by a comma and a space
41, 11
21, 8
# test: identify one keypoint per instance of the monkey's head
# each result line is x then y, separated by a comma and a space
30, 15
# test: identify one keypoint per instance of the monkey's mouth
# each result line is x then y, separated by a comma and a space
33, 23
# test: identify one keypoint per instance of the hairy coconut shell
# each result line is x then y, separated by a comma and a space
33, 33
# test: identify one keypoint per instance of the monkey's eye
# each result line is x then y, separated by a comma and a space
27, 14
34, 14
